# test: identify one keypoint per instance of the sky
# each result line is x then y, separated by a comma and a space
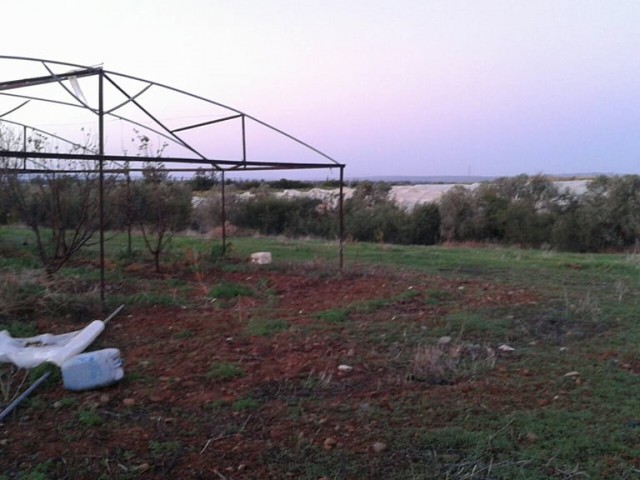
387, 87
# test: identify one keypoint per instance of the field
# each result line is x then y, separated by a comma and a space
411, 363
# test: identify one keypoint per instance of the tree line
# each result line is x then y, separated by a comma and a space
62, 210
527, 211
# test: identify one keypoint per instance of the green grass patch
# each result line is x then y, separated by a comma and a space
477, 325
266, 327
247, 403
337, 315
183, 334
224, 371
230, 290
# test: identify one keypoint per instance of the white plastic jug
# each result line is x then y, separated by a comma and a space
92, 370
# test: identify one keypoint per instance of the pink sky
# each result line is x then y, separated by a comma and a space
387, 87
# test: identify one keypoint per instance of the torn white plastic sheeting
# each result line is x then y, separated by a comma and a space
31, 352
261, 258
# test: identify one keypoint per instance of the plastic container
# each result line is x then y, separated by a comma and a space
92, 370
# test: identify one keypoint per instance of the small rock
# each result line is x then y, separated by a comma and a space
532, 437
572, 374
345, 368
329, 443
379, 447
506, 348
128, 402
104, 398
444, 341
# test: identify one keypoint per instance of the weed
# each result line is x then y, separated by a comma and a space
440, 364
66, 402
20, 328
318, 381
266, 327
219, 251
183, 334
585, 308
436, 297
337, 315
55, 374
11, 381
223, 371
478, 325
89, 418
246, 403
161, 449
217, 405
230, 290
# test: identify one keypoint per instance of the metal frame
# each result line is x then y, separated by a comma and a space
108, 163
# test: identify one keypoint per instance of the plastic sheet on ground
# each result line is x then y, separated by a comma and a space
33, 351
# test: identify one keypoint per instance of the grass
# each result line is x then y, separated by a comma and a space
265, 327
458, 410
224, 371
227, 290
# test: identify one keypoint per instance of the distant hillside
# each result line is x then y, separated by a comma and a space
461, 179
432, 179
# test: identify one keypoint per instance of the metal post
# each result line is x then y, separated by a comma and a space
223, 217
341, 209
244, 142
101, 179
24, 146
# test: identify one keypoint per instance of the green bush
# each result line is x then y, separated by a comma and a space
230, 290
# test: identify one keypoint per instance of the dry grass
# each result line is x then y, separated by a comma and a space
444, 362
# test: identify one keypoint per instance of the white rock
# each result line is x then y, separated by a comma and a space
261, 258
379, 447
345, 368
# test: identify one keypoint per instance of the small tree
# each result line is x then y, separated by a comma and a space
457, 214
424, 224
162, 207
203, 180
62, 210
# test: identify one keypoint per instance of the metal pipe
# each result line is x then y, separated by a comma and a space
24, 395
224, 218
101, 179
203, 124
24, 146
341, 213
244, 141
113, 314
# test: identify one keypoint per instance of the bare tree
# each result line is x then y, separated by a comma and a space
60, 209
162, 208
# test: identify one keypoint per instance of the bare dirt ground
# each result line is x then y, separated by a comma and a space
287, 405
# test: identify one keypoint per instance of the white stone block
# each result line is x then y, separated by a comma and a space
261, 258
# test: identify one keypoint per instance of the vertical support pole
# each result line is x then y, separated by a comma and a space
101, 179
24, 146
223, 216
244, 142
341, 210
